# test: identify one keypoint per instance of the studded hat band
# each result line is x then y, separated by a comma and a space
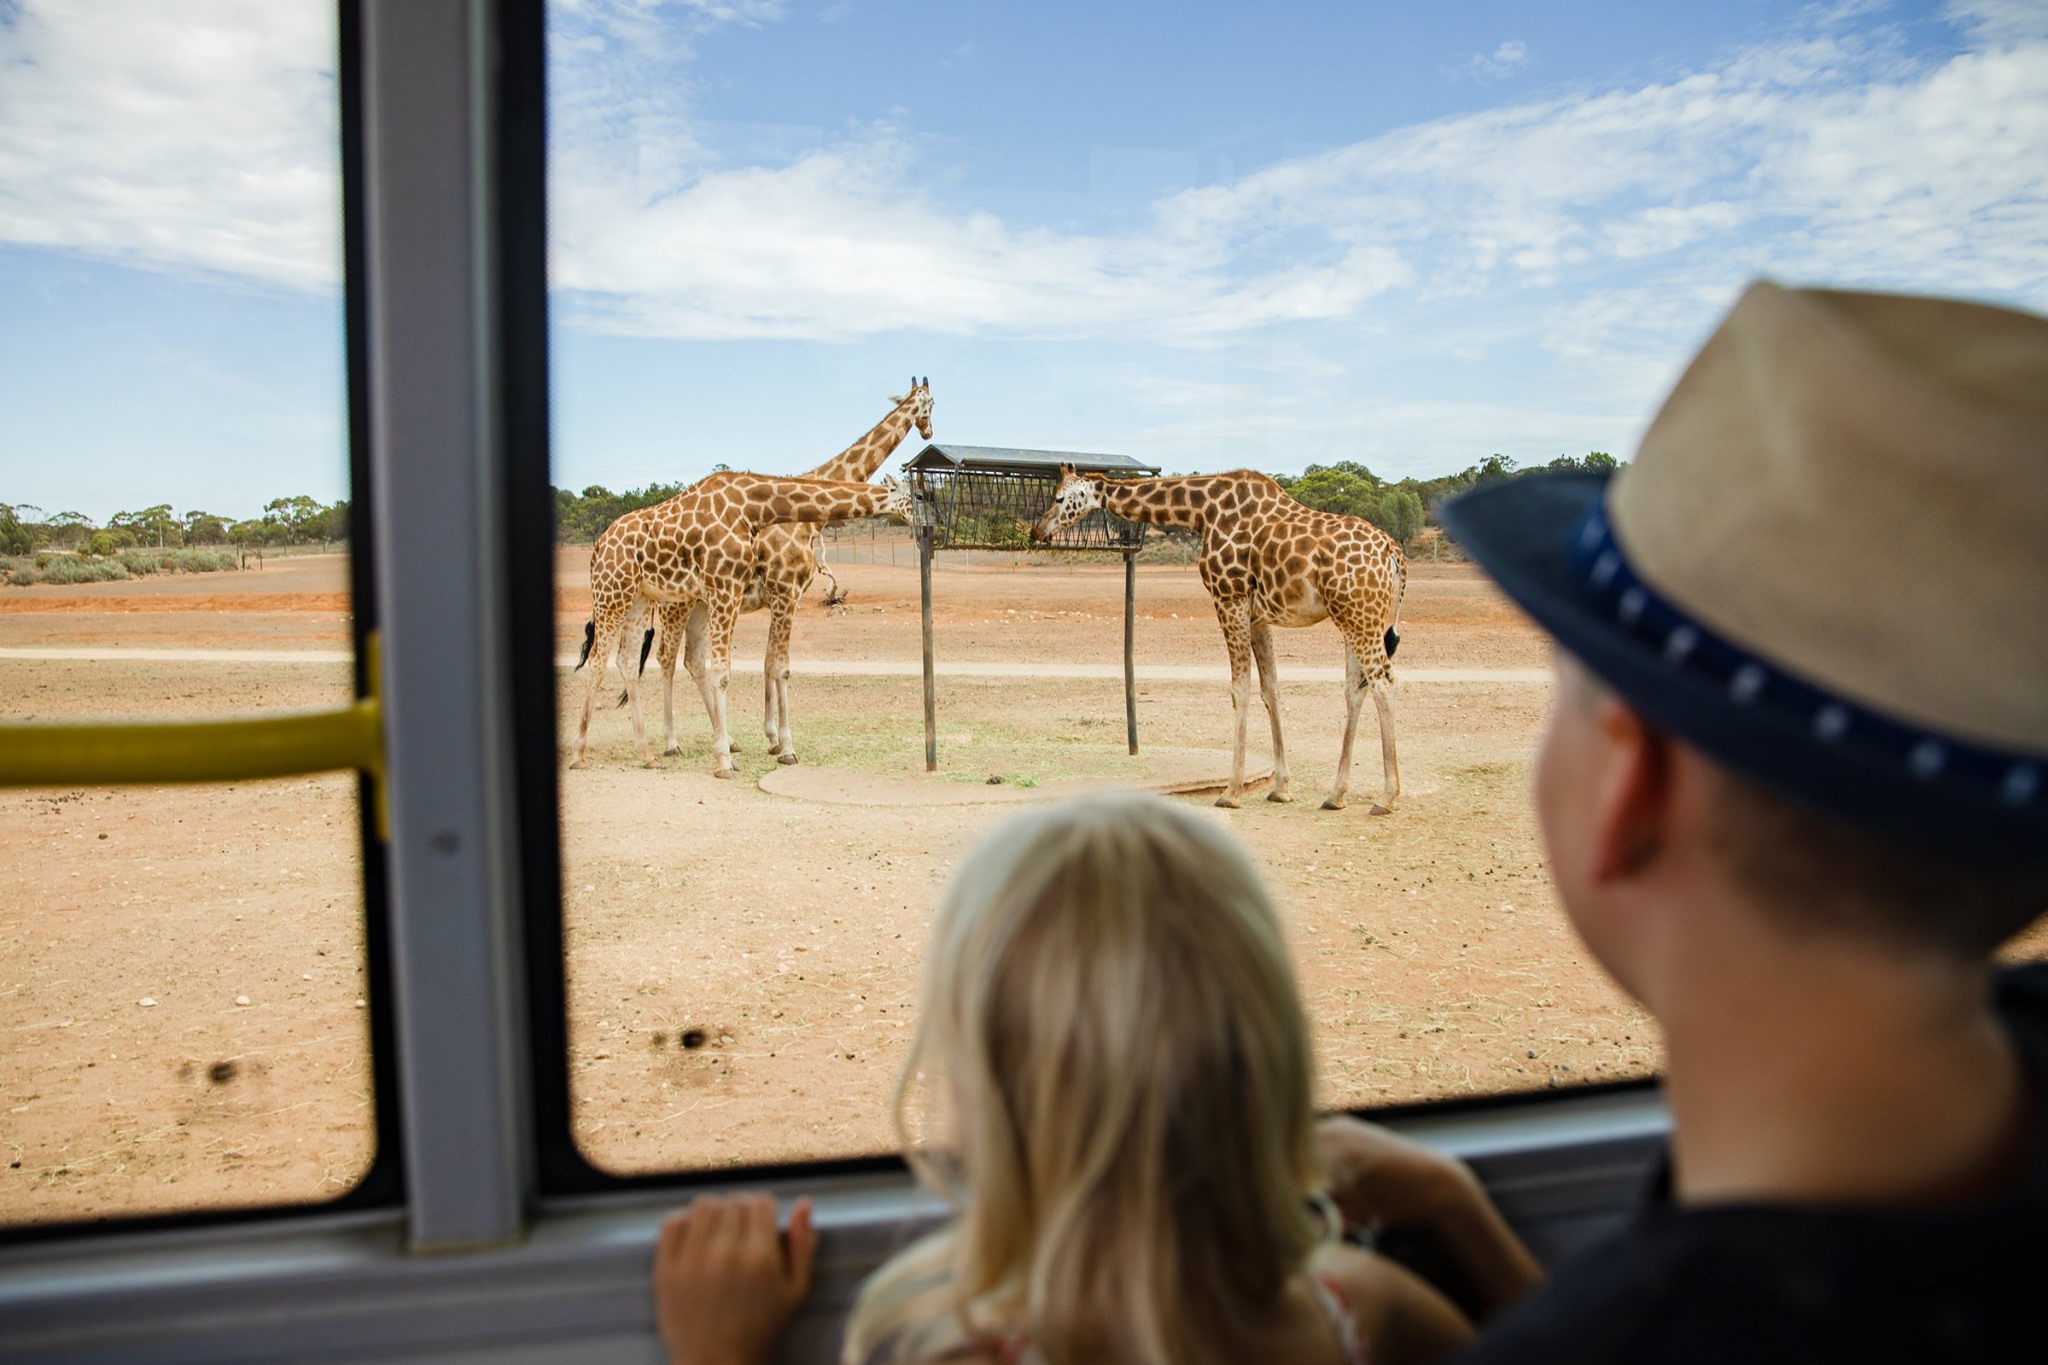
1999, 778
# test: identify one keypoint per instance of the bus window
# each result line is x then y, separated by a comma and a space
186, 990
1373, 258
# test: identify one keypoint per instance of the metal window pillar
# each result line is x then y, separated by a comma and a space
434, 388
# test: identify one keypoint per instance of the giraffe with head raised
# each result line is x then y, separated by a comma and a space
787, 558
1268, 561
697, 552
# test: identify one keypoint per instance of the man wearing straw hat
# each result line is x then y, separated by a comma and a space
1794, 793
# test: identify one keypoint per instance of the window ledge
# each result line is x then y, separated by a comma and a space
344, 1286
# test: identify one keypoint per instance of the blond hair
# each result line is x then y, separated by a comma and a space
1110, 1015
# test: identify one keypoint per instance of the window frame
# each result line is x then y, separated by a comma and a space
448, 328
382, 1185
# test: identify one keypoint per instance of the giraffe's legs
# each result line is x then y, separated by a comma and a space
1354, 696
696, 658
615, 629
721, 612
607, 624
634, 614
775, 679
1269, 692
1366, 669
1391, 763
1235, 618
672, 616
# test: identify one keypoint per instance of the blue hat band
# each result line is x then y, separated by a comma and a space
1999, 778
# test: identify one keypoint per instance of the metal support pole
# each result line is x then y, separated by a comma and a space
1130, 627
931, 696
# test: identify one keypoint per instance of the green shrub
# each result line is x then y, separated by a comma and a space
199, 561
138, 562
84, 571
43, 560
21, 578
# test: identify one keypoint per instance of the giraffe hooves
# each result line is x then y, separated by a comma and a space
1227, 801
726, 773
650, 762
673, 748
1280, 796
1378, 809
787, 757
1334, 803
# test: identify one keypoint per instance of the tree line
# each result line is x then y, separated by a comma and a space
1400, 507
26, 528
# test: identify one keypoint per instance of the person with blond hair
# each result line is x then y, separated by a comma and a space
1794, 793
1110, 1085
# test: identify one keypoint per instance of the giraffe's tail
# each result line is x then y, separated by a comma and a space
589, 639
1398, 563
646, 647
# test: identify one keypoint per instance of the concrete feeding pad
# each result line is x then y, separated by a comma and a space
1171, 772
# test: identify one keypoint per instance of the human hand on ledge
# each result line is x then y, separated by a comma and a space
726, 1283
1386, 1182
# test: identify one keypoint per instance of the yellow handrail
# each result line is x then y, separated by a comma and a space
204, 750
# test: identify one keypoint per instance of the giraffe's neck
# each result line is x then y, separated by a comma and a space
1159, 502
861, 459
774, 502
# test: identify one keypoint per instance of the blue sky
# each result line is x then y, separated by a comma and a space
1205, 234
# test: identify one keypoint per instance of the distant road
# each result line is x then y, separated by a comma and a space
818, 668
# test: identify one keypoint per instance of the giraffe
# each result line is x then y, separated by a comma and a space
698, 549
786, 558
1268, 561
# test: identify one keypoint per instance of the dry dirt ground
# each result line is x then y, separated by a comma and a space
741, 966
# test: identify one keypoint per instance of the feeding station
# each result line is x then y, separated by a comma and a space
988, 498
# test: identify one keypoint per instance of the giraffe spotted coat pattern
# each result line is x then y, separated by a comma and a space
698, 551
786, 559
1269, 561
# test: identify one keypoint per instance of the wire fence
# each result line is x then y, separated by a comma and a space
995, 510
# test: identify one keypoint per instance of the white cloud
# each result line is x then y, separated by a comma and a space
204, 137
1823, 155
200, 135
2000, 21
1505, 60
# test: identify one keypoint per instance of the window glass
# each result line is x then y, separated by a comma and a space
1380, 255
183, 985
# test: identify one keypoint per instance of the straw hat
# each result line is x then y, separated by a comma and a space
1827, 565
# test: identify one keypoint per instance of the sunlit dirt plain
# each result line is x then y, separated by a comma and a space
181, 969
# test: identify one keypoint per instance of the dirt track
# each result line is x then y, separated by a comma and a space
780, 934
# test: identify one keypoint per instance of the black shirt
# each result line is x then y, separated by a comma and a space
1766, 1283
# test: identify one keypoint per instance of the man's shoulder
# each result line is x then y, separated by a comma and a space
1768, 1284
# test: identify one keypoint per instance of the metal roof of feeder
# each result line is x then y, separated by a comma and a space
950, 456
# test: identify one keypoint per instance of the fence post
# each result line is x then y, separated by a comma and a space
1130, 669
931, 696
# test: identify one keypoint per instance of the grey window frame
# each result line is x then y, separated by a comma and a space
482, 1260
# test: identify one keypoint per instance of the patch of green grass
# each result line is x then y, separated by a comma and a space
72, 569
199, 561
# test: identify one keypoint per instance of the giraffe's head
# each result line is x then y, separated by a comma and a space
921, 405
1073, 498
902, 501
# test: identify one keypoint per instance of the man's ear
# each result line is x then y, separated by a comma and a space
1635, 799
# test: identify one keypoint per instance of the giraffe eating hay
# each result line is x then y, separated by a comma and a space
1268, 561
697, 551
786, 558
